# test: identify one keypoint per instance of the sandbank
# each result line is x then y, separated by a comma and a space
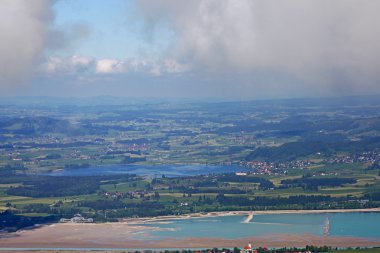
249, 214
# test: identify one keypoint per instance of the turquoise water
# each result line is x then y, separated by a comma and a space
365, 225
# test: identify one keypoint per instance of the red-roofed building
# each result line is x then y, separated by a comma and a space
247, 248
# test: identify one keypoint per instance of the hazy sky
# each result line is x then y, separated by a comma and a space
196, 49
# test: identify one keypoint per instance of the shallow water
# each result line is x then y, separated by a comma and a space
364, 225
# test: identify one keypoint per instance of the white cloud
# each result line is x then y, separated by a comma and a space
172, 66
323, 42
110, 66
68, 65
24, 26
82, 65
168, 66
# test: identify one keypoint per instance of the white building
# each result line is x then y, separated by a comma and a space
77, 219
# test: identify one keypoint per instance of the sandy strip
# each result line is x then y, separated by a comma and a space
248, 213
249, 218
273, 240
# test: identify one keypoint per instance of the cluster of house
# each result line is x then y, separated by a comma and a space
114, 194
130, 194
365, 157
269, 168
78, 218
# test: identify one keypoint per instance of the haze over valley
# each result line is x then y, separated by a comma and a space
245, 126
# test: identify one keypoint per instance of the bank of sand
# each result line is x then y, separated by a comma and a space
112, 240
131, 234
250, 214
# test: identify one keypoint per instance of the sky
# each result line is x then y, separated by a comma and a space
235, 49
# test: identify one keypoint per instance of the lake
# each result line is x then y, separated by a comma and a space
270, 230
365, 225
150, 170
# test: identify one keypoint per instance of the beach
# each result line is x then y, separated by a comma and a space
250, 214
132, 234
107, 239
